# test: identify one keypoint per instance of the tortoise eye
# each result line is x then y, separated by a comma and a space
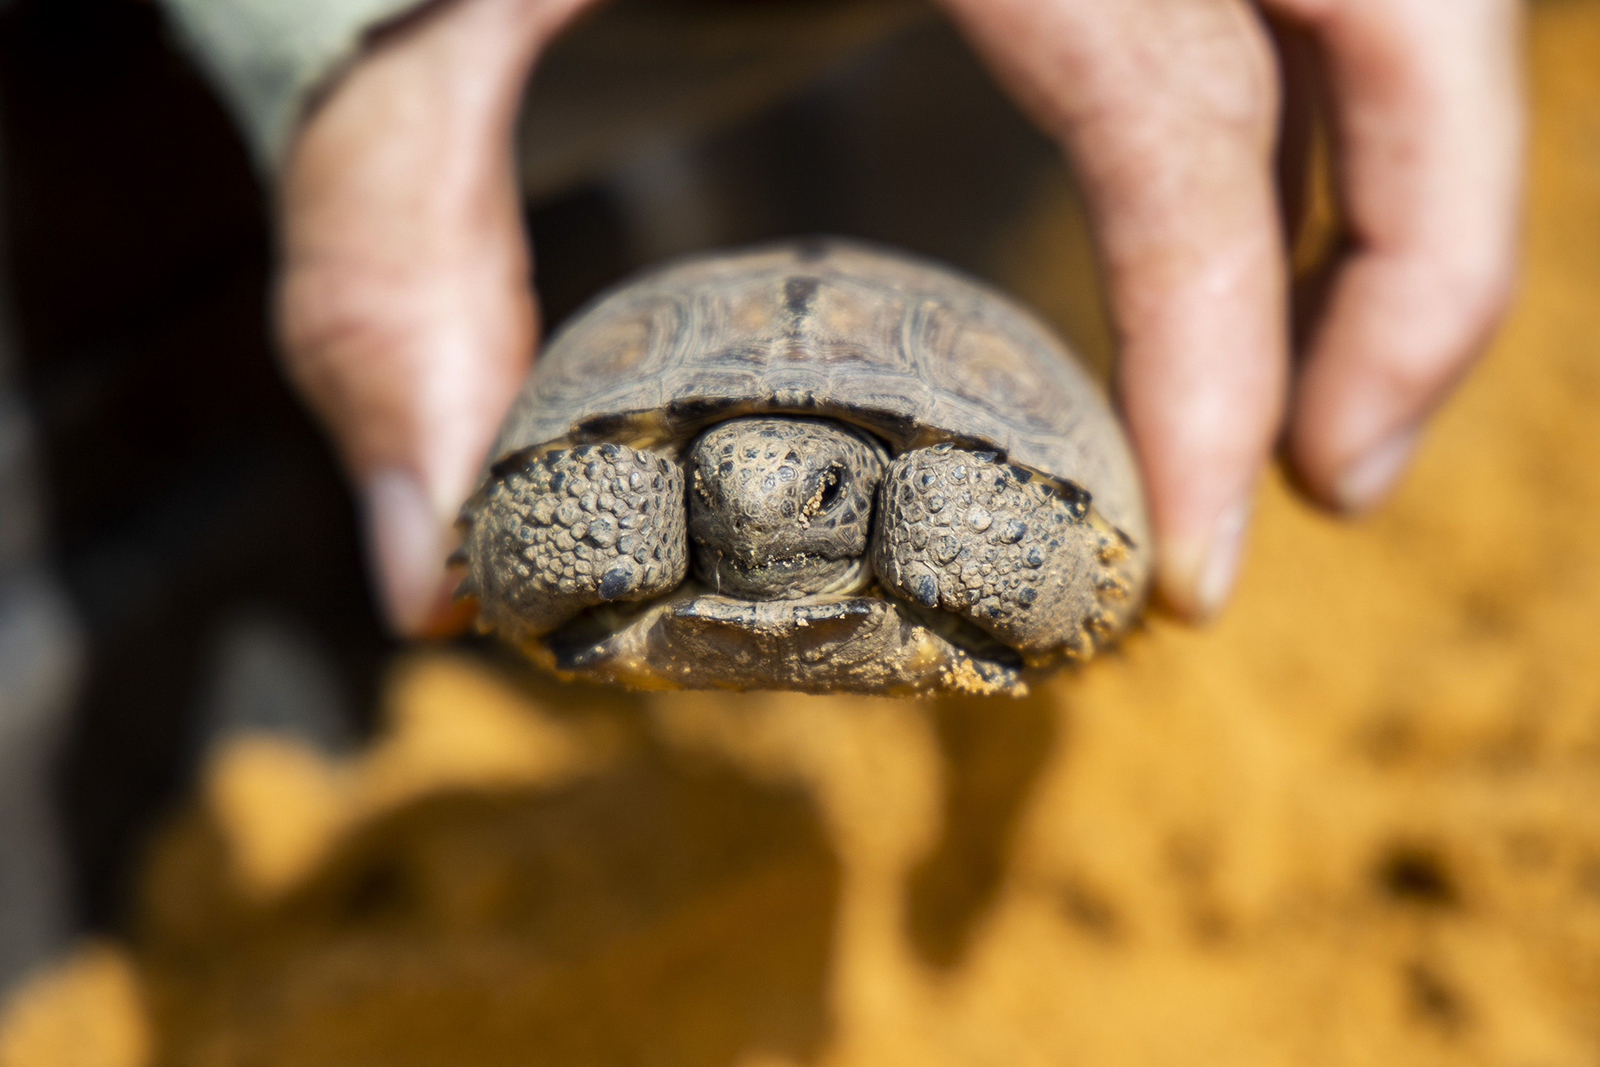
833, 480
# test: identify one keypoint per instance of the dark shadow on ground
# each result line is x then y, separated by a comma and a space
668, 911
993, 752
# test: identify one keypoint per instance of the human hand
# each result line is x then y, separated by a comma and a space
406, 306
408, 316
1170, 111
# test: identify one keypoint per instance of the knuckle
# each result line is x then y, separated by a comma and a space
1182, 73
325, 320
1455, 304
1440, 350
1484, 291
1234, 86
1416, 375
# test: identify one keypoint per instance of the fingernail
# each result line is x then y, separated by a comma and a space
1366, 480
409, 548
1222, 559
1198, 575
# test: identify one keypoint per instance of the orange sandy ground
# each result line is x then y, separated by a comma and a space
1357, 821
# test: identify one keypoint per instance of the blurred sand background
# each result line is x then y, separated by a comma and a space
1356, 821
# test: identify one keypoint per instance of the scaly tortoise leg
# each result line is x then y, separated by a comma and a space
574, 528
1012, 552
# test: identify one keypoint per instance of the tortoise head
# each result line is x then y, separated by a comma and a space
781, 506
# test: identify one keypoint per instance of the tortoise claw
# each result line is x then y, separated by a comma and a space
573, 528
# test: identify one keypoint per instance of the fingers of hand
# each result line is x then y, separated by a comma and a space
1428, 129
411, 373
404, 305
1168, 109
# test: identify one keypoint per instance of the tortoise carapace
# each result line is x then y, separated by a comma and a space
816, 466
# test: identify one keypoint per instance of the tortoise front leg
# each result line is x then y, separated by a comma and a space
574, 528
1011, 552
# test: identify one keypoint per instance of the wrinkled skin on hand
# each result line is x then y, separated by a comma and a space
408, 318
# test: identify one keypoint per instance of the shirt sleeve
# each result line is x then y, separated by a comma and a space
266, 57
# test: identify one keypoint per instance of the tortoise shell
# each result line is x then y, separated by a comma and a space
912, 352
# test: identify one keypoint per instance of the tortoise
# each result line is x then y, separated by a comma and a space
815, 465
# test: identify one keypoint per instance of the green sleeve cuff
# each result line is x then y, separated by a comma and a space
266, 57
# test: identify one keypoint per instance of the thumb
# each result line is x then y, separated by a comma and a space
404, 305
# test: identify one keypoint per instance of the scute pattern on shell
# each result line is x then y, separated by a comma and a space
910, 350
573, 528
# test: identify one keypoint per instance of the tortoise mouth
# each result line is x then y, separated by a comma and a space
784, 579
